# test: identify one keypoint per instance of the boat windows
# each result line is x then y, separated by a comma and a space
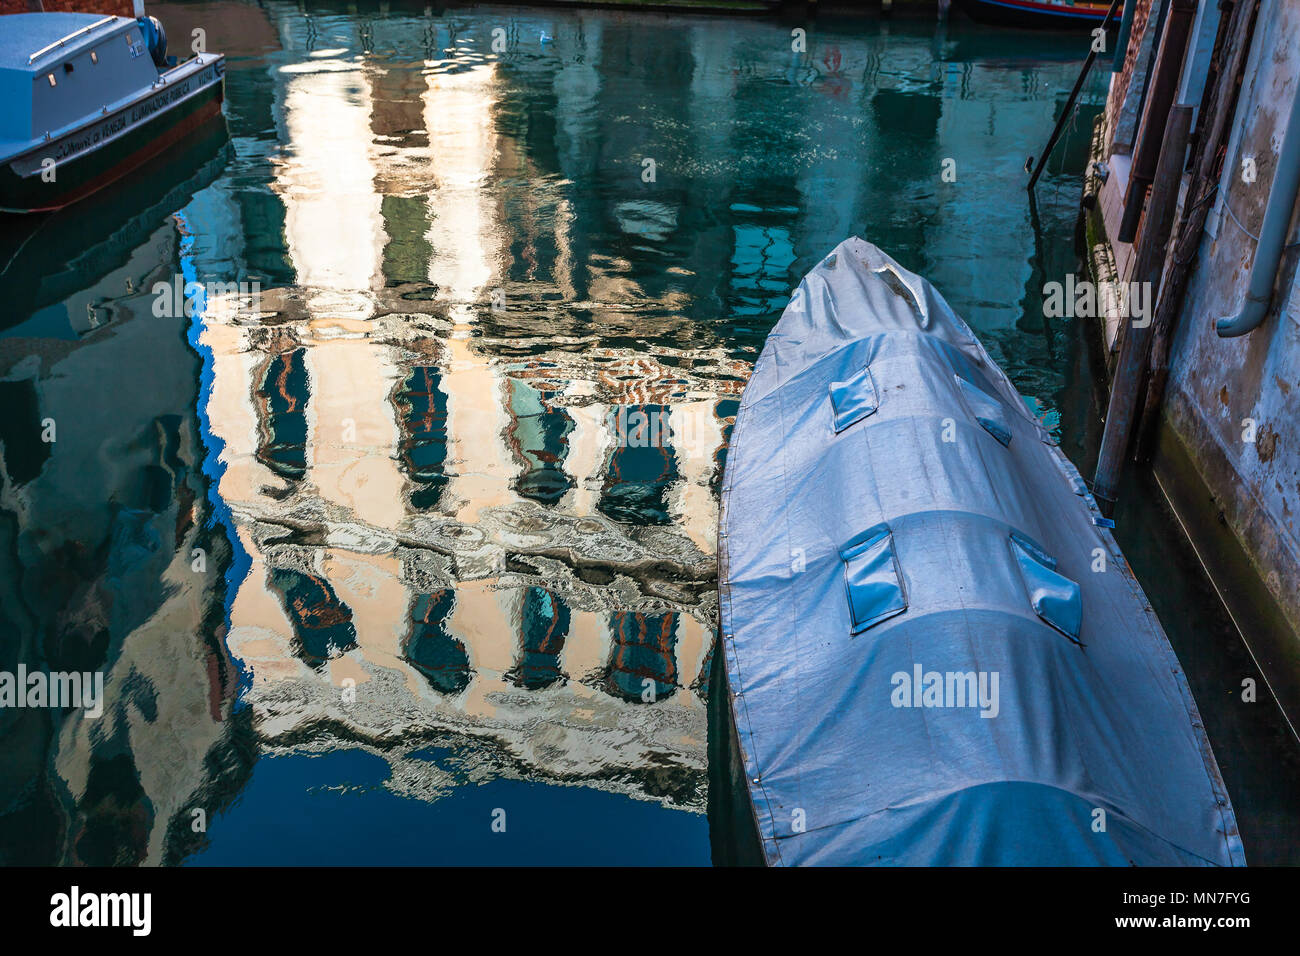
854, 399
873, 578
988, 411
1055, 598
53, 81
94, 56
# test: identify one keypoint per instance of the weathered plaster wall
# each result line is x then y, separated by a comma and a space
1219, 387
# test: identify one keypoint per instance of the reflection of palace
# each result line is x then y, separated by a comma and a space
433, 518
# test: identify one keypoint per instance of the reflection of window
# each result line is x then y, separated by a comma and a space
702, 680
422, 420
539, 436
760, 266
158, 481
543, 625
643, 662
407, 251
281, 402
115, 813
641, 467
430, 647
724, 410
322, 624
21, 446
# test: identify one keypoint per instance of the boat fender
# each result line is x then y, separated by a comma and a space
155, 40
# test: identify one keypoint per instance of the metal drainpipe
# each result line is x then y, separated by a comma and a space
1272, 234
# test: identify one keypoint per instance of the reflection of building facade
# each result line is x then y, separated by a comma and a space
431, 519
109, 564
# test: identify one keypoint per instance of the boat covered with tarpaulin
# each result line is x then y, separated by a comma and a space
935, 652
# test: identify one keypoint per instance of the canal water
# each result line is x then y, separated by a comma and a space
370, 445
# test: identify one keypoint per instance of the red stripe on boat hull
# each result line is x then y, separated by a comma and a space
174, 134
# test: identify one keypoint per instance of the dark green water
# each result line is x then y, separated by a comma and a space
365, 540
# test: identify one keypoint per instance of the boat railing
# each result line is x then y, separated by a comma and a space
71, 36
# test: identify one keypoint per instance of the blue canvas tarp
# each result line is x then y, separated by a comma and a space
936, 653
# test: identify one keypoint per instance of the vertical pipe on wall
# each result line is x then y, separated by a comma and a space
1272, 234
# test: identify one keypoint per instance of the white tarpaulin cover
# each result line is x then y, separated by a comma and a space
936, 654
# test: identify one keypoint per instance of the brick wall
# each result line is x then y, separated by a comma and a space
1126, 85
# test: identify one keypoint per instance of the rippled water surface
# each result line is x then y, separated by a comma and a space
396, 543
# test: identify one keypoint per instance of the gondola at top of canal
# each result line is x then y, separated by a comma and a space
86, 98
935, 651
1038, 14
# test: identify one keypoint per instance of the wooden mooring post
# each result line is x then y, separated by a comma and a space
1131, 366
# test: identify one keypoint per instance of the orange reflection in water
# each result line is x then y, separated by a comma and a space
446, 537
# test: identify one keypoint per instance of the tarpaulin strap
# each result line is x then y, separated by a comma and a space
854, 399
986, 410
1054, 597
873, 578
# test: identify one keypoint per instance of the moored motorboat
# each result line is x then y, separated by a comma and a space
63, 255
1040, 14
84, 99
935, 651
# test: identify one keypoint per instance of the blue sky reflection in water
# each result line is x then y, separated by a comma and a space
342, 814
445, 569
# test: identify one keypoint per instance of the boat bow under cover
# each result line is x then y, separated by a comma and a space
892, 511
